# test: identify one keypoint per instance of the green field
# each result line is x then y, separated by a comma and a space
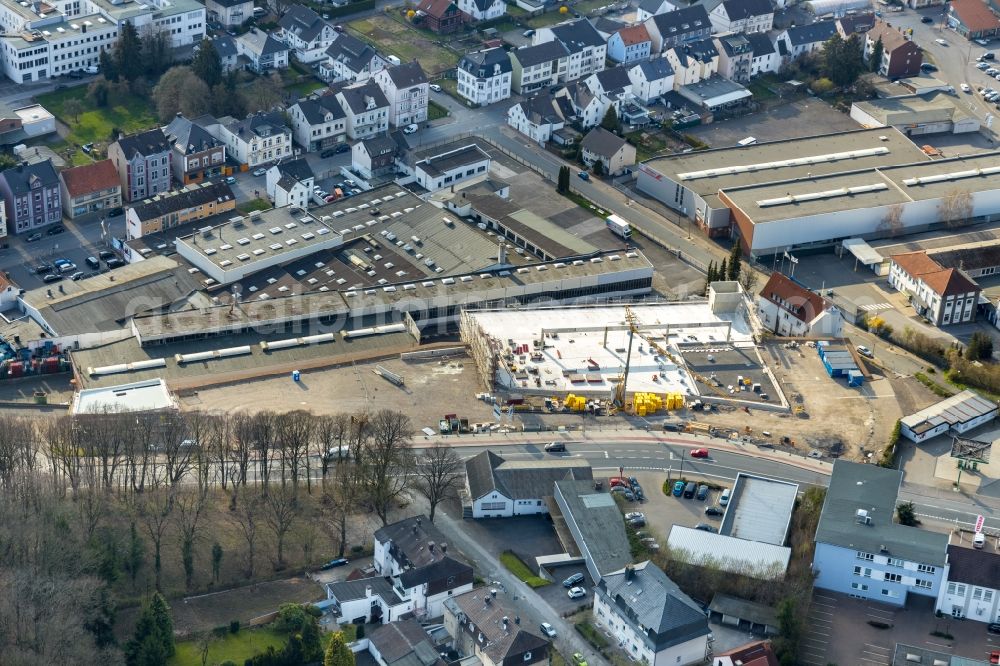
517, 567
303, 89
233, 647
128, 113
405, 42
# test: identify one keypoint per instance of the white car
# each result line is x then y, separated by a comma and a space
966, 88
259, 171
435, 87
577, 593
864, 351
548, 629
410, 129
941, 42
632, 515
93, 69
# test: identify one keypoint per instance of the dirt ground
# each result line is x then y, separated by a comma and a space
432, 389
841, 421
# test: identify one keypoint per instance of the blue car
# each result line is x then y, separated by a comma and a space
678, 488
333, 564
583, 175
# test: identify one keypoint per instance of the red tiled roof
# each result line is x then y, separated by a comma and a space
975, 15
636, 34
916, 263
892, 37
803, 304
752, 654
90, 178
949, 281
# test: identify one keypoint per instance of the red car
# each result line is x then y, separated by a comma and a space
699, 453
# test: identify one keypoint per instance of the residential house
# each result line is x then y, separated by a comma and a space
613, 83
375, 157
414, 554
263, 52
31, 196
582, 105
91, 188
901, 57
799, 40
536, 67
537, 117
403, 643
693, 62
651, 79
197, 155
350, 59
366, 108
942, 296
306, 33
649, 8
613, 152
170, 209
366, 600
673, 29
765, 55
483, 628
587, 49
649, 617
406, 88
499, 488
742, 16
735, 56
290, 183
855, 24
606, 27
482, 10
318, 123
143, 163
227, 49
229, 13
860, 551
447, 169
484, 77
758, 653
971, 588
630, 44
260, 137
972, 19
789, 309
440, 16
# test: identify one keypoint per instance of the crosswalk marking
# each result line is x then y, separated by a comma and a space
874, 307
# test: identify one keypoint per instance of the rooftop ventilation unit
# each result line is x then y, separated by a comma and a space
861, 517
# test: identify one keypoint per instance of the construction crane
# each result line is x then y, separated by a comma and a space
633, 328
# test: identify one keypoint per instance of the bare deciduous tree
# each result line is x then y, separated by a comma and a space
246, 516
190, 511
386, 460
294, 432
153, 509
955, 208
280, 513
438, 475
892, 223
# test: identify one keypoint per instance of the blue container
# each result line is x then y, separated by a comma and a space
295, 375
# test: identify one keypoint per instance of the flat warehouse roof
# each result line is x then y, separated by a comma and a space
959, 408
140, 396
708, 171
760, 509
750, 558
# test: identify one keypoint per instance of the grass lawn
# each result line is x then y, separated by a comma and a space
405, 42
233, 647
254, 204
435, 111
450, 86
521, 570
305, 88
128, 113
647, 144
548, 18
514, 11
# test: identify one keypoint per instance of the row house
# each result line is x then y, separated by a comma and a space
765, 57
375, 157
630, 44
650, 8
942, 296
901, 57
651, 79
537, 67
91, 188
350, 59
306, 33
484, 77
143, 163
678, 27
262, 50
366, 109
482, 10
536, 117
800, 40
735, 56
318, 123
693, 62
229, 13
407, 90
290, 183
742, 16
259, 138
197, 155
31, 196
587, 48
171, 209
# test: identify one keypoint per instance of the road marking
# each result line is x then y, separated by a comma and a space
874, 307
606, 455
942, 645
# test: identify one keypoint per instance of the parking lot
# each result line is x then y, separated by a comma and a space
663, 512
806, 117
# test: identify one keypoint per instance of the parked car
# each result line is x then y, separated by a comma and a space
34, 237
68, 267
678, 488
989, 55
555, 447
93, 69
928, 67
93, 262
55, 230
42, 269
699, 453
76, 276
637, 522
702, 493
333, 564
435, 87
115, 263
982, 66
411, 128
864, 351
578, 659
547, 629
342, 148
635, 514
230, 180
705, 527
106, 254
966, 88
573, 580
926, 19
329, 152
583, 175
724, 497
576, 593
993, 627
713, 511
52, 277
259, 171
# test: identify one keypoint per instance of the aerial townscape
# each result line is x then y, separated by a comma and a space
499, 332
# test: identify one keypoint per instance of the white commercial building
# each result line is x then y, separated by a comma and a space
499, 488
447, 169
958, 414
146, 396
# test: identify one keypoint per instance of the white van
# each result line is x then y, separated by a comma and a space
724, 497
749, 141
979, 540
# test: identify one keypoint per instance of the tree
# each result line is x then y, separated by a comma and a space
264, 93
280, 513
598, 167
610, 121
135, 554
153, 641
735, 257
789, 632
822, 86
245, 514
748, 279
207, 65
906, 514
386, 460
189, 512
892, 223
439, 475
562, 184
216, 561
128, 53
723, 270
842, 60
337, 652
955, 208
980, 347
312, 647
181, 91
875, 57
154, 509
157, 53
108, 65
73, 108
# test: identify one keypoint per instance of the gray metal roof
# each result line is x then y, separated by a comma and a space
653, 605
351, 590
858, 487
522, 479
530, 56
404, 644
760, 509
21, 177
754, 559
956, 410
600, 524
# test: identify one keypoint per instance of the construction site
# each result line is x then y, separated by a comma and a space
638, 358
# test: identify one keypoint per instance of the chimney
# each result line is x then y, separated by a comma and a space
430, 546
419, 521
517, 619
629, 572
85, 27
444, 548
502, 254
505, 623
493, 593
368, 591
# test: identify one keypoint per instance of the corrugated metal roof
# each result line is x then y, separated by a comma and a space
751, 558
959, 408
760, 509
